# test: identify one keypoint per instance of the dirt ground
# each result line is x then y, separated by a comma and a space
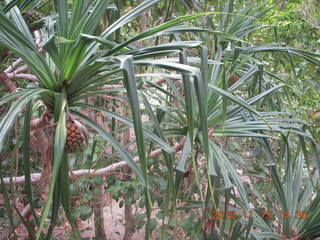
113, 224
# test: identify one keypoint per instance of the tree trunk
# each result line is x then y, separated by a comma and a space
128, 216
98, 200
7, 81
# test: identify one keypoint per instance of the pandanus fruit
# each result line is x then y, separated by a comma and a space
77, 135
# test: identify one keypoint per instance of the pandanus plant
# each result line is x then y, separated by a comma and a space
244, 100
72, 64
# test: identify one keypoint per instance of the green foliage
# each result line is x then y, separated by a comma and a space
289, 24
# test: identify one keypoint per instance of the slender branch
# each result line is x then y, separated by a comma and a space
36, 177
22, 76
22, 69
14, 65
